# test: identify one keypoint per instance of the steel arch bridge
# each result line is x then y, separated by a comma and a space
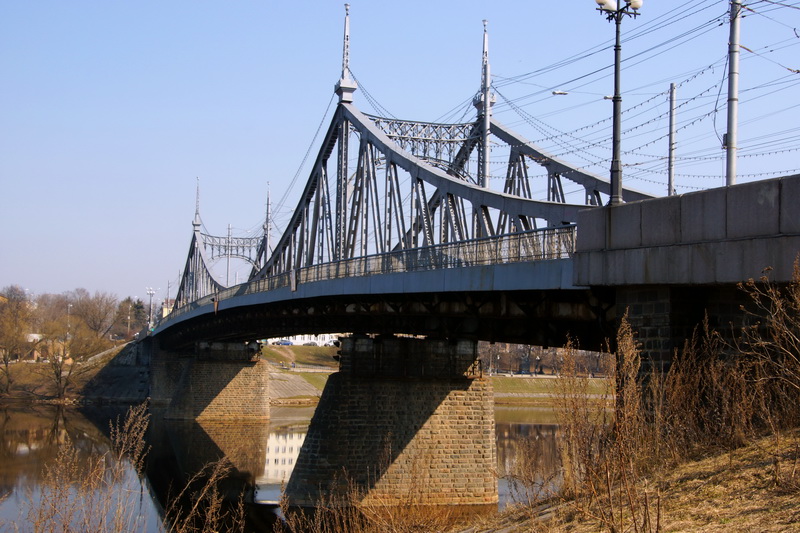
397, 197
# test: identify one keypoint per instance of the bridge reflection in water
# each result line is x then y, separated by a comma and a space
263, 462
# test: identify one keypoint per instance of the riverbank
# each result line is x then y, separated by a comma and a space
298, 376
752, 488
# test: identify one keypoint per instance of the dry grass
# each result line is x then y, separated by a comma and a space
200, 506
729, 491
707, 446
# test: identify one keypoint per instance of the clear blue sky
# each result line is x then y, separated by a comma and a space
109, 111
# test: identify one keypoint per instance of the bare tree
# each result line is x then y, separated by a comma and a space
98, 312
15, 320
74, 327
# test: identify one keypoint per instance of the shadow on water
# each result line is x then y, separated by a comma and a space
262, 454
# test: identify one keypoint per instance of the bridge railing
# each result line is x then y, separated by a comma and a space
534, 245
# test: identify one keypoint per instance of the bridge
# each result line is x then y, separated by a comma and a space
399, 240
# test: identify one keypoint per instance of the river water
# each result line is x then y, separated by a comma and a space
263, 455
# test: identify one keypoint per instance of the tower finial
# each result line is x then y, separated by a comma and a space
483, 102
346, 86
197, 222
346, 46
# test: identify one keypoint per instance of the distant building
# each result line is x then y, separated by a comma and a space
167, 306
323, 339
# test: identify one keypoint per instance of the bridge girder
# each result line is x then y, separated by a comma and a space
531, 317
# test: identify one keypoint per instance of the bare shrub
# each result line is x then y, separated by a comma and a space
604, 457
710, 398
584, 423
103, 492
772, 341
97, 493
200, 506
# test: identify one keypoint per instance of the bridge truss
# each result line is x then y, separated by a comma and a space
382, 186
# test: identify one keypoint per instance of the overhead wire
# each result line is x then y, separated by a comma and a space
288, 190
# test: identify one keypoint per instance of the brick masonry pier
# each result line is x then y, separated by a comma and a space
404, 421
211, 382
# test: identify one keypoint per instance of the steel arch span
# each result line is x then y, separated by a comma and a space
381, 186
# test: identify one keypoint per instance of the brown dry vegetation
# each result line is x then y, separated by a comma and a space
710, 445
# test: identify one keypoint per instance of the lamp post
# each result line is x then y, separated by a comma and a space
612, 11
150, 293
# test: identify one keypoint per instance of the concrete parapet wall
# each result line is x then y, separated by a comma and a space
719, 236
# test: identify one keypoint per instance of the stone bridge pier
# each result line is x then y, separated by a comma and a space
211, 381
404, 421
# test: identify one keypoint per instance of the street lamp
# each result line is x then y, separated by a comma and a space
612, 11
150, 293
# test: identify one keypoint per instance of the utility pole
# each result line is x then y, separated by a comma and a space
671, 161
130, 303
733, 93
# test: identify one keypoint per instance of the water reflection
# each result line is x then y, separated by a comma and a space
30, 438
283, 447
262, 454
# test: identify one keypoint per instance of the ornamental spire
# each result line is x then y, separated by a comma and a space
197, 222
345, 87
483, 102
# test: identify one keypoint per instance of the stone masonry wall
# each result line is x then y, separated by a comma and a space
210, 382
664, 317
222, 390
400, 440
